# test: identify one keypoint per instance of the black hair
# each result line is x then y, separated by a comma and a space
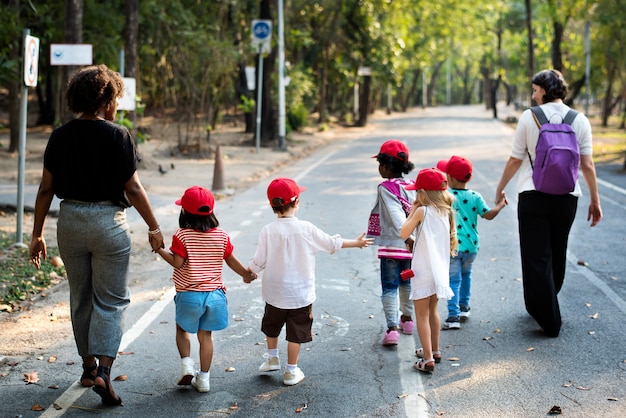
93, 88
397, 166
279, 208
553, 82
197, 222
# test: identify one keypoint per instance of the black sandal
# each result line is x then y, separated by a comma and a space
105, 392
88, 374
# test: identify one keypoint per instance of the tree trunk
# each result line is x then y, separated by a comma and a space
241, 87
557, 56
14, 92
268, 121
73, 35
131, 30
529, 31
364, 100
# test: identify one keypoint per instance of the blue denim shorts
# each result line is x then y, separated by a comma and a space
207, 311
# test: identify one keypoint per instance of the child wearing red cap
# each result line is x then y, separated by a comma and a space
393, 203
432, 221
286, 252
199, 249
468, 206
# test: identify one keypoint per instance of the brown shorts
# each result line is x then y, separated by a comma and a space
299, 323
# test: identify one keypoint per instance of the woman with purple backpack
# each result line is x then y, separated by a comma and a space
545, 218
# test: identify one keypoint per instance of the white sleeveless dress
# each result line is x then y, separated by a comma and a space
431, 257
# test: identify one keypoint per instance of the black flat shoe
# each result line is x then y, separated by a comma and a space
88, 374
105, 392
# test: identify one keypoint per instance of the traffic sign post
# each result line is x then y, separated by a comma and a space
31, 71
261, 40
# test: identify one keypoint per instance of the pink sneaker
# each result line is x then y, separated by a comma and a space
407, 326
391, 337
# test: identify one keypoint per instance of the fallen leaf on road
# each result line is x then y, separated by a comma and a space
121, 378
69, 363
52, 359
588, 305
530, 349
487, 338
302, 408
582, 388
124, 353
346, 349
233, 406
496, 331
555, 410
36, 407
454, 359
592, 332
57, 406
612, 399
31, 377
614, 278
583, 263
53, 387
594, 316
230, 369
404, 395
568, 384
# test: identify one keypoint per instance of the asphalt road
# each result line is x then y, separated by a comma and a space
496, 365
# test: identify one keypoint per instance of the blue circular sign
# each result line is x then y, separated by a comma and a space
261, 30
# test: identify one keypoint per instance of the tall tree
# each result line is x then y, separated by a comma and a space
73, 35
131, 30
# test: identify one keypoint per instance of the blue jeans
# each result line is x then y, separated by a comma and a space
460, 282
393, 288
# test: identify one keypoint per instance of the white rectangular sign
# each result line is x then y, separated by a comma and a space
71, 54
127, 101
31, 60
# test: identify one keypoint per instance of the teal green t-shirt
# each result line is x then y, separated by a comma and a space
468, 206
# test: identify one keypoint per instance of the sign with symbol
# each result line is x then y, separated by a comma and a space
262, 35
127, 101
31, 60
71, 54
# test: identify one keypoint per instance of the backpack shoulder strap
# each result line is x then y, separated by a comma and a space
569, 118
538, 112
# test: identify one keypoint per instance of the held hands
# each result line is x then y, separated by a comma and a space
38, 251
502, 201
156, 241
249, 276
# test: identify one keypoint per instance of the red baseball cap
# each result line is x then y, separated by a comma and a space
393, 148
429, 179
285, 189
459, 168
197, 201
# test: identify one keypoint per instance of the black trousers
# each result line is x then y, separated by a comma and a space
544, 224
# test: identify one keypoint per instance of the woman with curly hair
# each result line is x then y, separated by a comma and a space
90, 163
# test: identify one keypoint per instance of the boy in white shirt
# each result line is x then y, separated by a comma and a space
286, 251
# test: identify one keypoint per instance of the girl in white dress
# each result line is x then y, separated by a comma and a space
432, 221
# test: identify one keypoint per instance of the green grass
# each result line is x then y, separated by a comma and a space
19, 278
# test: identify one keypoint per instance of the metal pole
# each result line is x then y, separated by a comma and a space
259, 90
281, 77
21, 162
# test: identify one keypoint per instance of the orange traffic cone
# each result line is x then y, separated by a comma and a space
218, 171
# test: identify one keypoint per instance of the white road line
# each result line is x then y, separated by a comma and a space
75, 391
611, 186
597, 282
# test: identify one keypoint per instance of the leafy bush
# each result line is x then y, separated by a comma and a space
297, 117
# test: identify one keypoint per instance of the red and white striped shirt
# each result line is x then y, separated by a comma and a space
204, 254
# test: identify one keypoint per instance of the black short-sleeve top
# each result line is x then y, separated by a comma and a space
91, 161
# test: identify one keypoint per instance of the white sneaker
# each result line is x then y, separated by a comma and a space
294, 378
270, 364
201, 382
187, 371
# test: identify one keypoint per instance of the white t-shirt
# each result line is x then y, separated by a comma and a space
527, 134
286, 251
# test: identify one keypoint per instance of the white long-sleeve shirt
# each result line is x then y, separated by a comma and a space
286, 252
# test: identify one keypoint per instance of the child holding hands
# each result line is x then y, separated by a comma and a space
432, 221
286, 252
199, 249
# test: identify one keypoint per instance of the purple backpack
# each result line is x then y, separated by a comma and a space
557, 156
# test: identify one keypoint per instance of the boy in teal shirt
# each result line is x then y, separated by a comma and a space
468, 205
